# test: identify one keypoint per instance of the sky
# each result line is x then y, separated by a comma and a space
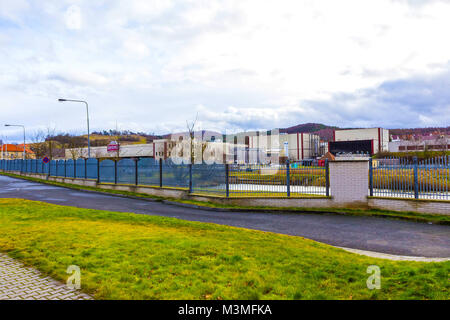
152, 65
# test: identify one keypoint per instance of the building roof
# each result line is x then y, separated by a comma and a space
27, 148
15, 148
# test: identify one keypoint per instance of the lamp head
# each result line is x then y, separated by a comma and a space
61, 100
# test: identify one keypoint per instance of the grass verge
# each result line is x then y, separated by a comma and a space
129, 256
412, 216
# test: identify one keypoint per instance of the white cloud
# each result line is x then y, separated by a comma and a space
73, 18
136, 48
13, 10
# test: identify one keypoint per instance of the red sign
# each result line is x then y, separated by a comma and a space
113, 146
46, 160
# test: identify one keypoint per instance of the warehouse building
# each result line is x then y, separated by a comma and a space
300, 146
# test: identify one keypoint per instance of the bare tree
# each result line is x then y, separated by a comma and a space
116, 136
38, 145
191, 130
50, 143
74, 150
42, 142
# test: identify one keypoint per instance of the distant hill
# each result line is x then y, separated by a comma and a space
307, 127
325, 132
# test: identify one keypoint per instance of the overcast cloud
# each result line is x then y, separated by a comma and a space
151, 65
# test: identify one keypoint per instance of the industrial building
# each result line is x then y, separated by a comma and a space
367, 141
300, 146
431, 143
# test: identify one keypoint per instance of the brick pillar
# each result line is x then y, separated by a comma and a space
349, 181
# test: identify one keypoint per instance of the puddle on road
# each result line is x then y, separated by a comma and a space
27, 186
87, 195
20, 185
41, 188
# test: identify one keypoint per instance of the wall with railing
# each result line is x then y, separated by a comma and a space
225, 180
394, 184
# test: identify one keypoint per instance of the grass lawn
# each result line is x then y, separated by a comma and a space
130, 256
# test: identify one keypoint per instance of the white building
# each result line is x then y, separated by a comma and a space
431, 143
300, 145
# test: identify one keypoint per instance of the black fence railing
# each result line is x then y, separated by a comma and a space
403, 178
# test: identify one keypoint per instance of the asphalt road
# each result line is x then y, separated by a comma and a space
365, 233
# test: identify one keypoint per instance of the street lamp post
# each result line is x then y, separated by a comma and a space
87, 113
23, 127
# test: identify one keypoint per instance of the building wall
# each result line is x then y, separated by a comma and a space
205, 151
412, 146
12, 155
300, 146
133, 150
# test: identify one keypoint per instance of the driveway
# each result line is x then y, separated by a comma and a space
364, 233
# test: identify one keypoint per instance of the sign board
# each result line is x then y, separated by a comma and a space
46, 160
113, 146
286, 149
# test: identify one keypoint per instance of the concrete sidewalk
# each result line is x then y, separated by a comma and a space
22, 283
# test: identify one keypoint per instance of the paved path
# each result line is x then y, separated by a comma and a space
364, 233
18, 282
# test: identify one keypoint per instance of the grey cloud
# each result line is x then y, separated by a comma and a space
417, 101
399, 103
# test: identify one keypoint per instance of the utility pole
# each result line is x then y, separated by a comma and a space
87, 114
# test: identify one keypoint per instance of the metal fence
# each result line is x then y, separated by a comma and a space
227, 180
280, 180
403, 178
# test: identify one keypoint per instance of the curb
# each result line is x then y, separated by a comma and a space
392, 257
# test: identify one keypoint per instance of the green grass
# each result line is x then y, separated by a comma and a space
413, 216
130, 256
